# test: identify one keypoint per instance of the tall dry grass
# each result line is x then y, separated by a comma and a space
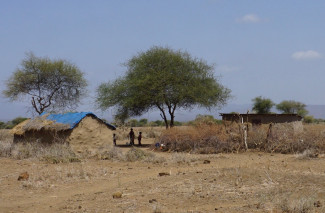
204, 139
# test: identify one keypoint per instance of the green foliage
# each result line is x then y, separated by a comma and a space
18, 120
163, 79
49, 84
132, 122
11, 124
319, 120
292, 107
204, 120
262, 105
156, 123
178, 123
309, 119
2, 125
143, 122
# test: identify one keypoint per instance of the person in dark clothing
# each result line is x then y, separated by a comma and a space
131, 135
139, 138
114, 139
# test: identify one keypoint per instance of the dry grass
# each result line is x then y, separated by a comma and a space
52, 153
134, 154
281, 138
204, 139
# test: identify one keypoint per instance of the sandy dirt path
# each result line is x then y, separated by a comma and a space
246, 182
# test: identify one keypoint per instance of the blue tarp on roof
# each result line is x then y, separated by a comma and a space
73, 118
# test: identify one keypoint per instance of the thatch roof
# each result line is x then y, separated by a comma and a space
37, 124
54, 122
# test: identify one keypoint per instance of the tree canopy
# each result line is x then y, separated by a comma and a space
48, 84
262, 105
163, 79
292, 107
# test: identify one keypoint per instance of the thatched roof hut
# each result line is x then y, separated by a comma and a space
78, 129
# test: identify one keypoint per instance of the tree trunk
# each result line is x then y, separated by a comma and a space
172, 117
171, 110
163, 116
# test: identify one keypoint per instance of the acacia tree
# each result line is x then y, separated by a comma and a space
162, 79
292, 107
48, 84
262, 105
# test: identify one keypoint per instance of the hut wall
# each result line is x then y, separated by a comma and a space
90, 134
43, 136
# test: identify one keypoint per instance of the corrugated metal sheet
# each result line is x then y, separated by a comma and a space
73, 118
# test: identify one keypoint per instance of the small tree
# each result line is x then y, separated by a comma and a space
309, 119
291, 107
262, 105
143, 122
48, 84
2, 125
162, 79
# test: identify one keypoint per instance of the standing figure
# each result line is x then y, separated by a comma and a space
114, 139
139, 138
131, 135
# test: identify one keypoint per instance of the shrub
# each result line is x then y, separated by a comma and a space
204, 139
279, 138
135, 154
51, 153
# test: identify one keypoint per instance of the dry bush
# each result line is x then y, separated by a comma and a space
280, 138
307, 154
301, 205
51, 153
182, 158
204, 139
284, 139
135, 154
5, 135
109, 153
6, 148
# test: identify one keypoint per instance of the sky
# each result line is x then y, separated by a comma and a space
274, 49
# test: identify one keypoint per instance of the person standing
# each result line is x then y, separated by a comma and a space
139, 138
131, 135
114, 139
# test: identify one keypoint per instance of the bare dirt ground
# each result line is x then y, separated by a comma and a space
244, 182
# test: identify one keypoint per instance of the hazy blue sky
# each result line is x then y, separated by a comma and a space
271, 48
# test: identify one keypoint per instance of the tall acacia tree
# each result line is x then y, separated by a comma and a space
292, 107
163, 79
262, 105
51, 85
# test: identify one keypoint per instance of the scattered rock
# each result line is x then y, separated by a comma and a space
23, 176
163, 173
117, 195
206, 161
317, 204
152, 200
